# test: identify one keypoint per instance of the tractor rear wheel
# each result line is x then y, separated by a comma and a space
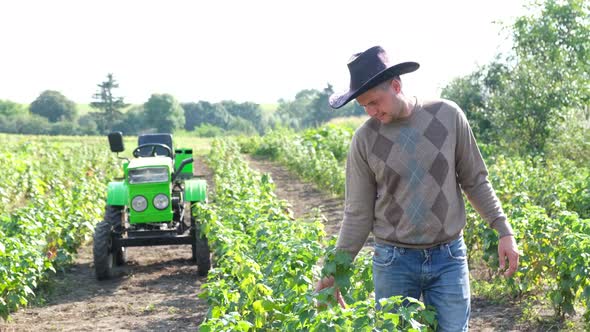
102, 251
114, 215
201, 252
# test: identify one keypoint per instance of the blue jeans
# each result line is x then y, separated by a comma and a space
440, 274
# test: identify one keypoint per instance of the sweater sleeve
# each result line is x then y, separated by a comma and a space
472, 175
359, 205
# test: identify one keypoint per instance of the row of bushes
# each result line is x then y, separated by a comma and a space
547, 202
267, 263
51, 197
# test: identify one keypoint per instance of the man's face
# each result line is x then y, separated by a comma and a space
382, 103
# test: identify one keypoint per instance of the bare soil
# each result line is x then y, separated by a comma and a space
303, 197
156, 291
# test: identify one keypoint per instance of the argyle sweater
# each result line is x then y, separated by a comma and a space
404, 180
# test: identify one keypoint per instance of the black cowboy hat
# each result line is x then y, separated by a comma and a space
368, 69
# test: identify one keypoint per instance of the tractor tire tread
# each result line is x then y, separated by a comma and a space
101, 251
113, 215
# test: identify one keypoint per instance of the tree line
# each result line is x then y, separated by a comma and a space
536, 97
52, 113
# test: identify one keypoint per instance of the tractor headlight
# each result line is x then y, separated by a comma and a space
161, 201
147, 175
139, 203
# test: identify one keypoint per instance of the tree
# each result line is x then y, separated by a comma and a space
293, 113
525, 97
33, 125
320, 110
311, 109
550, 73
469, 92
248, 111
109, 105
53, 106
9, 108
163, 113
134, 120
88, 125
202, 112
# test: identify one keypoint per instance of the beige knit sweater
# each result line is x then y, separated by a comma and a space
404, 180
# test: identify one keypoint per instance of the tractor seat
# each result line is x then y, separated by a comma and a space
165, 139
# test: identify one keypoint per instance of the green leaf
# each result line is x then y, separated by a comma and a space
28, 290
243, 325
329, 268
258, 308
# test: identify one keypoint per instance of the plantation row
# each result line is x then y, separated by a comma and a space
547, 202
317, 155
266, 264
51, 195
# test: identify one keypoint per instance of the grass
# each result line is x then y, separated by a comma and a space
200, 146
349, 121
73, 140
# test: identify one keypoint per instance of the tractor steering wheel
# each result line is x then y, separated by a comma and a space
137, 152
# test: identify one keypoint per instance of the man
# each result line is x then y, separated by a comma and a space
405, 171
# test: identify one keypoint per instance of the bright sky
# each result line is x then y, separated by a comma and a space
252, 50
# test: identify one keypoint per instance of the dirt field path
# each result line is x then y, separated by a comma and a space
156, 291
303, 197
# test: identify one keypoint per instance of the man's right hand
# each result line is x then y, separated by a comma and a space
507, 248
324, 283
329, 282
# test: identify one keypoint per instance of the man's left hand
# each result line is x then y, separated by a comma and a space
507, 248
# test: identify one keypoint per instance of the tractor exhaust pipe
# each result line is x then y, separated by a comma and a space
180, 167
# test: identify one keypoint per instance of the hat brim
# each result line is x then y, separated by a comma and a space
338, 100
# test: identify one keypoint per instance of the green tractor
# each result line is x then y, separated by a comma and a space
151, 205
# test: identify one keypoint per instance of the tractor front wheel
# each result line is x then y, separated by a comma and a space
201, 252
102, 250
114, 215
